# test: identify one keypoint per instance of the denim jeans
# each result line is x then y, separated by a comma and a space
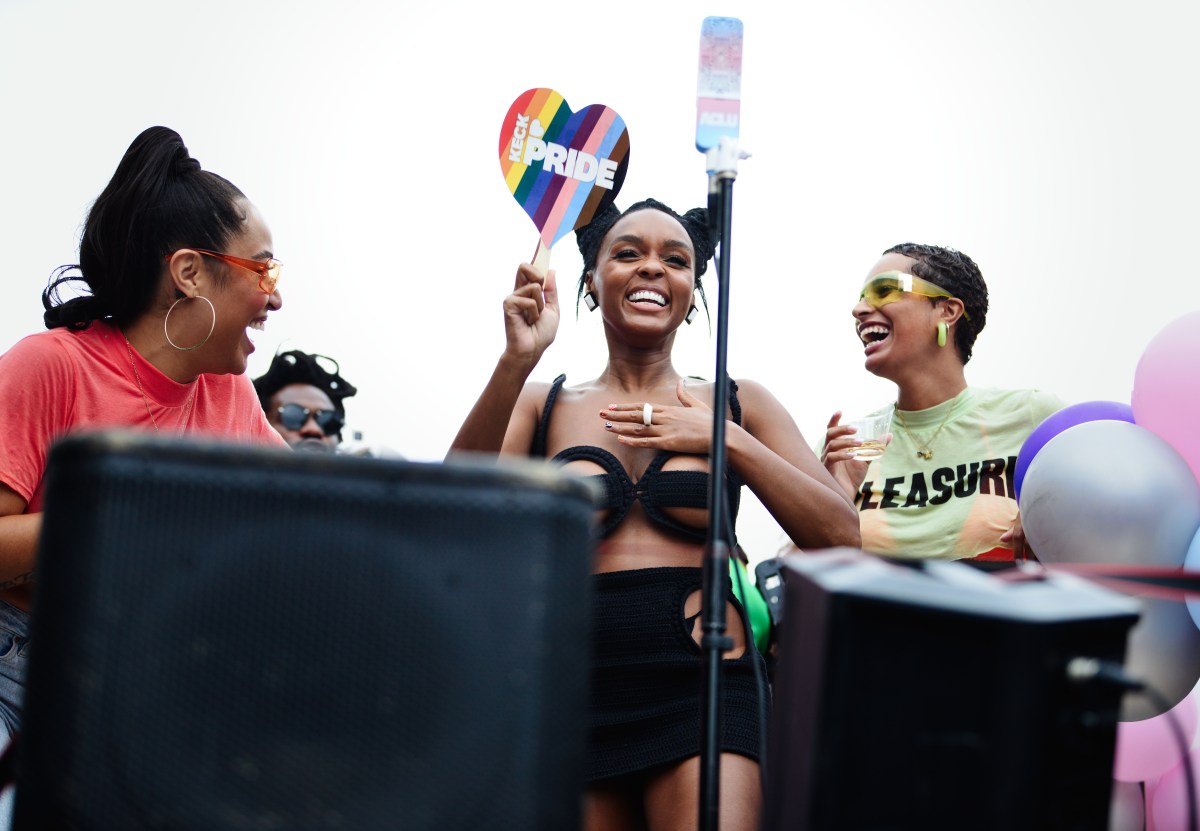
14, 654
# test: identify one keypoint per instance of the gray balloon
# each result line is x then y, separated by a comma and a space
1110, 492
1164, 652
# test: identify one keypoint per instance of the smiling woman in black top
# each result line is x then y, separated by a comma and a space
645, 431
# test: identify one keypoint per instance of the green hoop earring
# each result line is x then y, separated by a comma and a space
941, 329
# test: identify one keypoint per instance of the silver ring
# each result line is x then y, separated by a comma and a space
647, 413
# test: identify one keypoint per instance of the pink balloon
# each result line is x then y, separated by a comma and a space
1166, 397
1169, 801
1147, 749
1149, 788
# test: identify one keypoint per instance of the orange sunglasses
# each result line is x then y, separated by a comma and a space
268, 272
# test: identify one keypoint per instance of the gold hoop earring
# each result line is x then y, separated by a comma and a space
211, 328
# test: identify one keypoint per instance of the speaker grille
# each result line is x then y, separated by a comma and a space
231, 638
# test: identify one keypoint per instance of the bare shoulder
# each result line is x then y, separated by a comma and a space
750, 395
535, 389
754, 395
533, 397
760, 408
523, 423
749, 390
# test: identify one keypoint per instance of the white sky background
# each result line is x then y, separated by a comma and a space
1054, 142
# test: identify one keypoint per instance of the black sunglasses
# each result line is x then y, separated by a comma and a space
294, 417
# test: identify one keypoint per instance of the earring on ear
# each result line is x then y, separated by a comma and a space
693, 310
589, 300
941, 330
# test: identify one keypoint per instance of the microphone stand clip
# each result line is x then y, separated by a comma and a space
722, 159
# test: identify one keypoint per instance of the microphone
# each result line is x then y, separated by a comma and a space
719, 82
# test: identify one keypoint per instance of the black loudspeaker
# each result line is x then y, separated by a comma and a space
239, 638
936, 696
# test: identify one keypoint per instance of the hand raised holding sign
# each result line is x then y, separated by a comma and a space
530, 314
530, 324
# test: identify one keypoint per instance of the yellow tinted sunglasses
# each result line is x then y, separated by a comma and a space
890, 286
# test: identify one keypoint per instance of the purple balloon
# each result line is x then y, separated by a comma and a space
1065, 418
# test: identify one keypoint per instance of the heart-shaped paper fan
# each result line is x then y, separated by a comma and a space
562, 167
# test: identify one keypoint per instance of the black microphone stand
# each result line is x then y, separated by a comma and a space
722, 170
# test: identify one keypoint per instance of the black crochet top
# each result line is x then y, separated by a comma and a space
656, 489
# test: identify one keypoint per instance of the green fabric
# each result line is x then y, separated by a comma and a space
756, 607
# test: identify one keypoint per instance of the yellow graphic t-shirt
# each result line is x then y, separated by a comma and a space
958, 502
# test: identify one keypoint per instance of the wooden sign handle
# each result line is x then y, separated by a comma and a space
541, 257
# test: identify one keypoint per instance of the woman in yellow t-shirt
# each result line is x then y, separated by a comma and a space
944, 487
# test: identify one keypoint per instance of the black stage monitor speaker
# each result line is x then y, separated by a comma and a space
238, 638
936, 696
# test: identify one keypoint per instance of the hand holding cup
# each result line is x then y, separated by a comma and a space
874, 432
851, 446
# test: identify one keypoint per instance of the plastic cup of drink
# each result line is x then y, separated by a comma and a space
872, 431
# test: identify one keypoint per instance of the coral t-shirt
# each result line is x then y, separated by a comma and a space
60, 382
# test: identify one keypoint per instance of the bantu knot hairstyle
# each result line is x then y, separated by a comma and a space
298, 367
695, 222
956, 273
158, 201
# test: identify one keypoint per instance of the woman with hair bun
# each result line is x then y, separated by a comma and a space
179, 270
944, 487
645, 431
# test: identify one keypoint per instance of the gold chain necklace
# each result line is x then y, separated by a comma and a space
187, 407
923, 449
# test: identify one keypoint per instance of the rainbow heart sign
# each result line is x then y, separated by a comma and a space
562, 167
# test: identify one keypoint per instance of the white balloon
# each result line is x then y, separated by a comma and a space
1110, 492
